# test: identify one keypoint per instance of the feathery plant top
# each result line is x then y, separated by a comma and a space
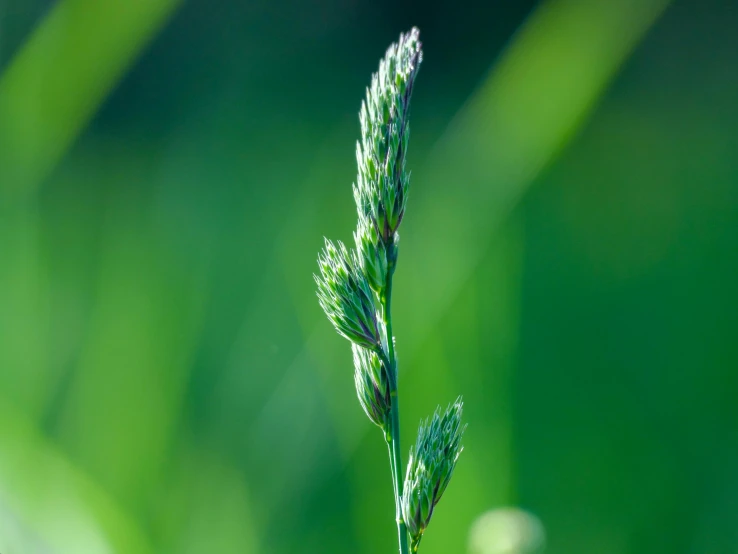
345, 296
355, 292
382, 184
431, 466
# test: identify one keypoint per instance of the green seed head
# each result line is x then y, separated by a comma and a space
372, 385
346, 297
372, 254
430, 467
381, 187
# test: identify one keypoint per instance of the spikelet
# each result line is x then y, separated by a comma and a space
381, 187
346, 297
372, 385
430, 467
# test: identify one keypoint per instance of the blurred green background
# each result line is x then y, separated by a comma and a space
569, 263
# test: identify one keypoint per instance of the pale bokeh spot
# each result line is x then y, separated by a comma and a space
507, 531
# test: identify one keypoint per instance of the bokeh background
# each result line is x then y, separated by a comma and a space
568, 263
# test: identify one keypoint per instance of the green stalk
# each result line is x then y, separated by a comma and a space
394, 431
398, 509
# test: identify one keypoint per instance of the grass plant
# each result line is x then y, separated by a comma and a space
355, 292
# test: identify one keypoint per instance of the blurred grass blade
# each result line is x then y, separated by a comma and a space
50, 504
124, 399
60, 77
206, 506
537, 96
25, 340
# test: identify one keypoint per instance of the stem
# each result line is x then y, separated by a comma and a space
398, 474
394, 433
398, 508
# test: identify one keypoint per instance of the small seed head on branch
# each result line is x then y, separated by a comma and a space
430, 467
381, 188
372, 254
346, 297
372, 385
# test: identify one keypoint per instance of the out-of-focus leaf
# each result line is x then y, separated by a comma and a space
537, 96
59, 78
125, 397
48, 505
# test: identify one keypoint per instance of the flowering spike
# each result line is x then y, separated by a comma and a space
346, 297
381, 188
355, 291
372, 254
372, 385
430, 468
